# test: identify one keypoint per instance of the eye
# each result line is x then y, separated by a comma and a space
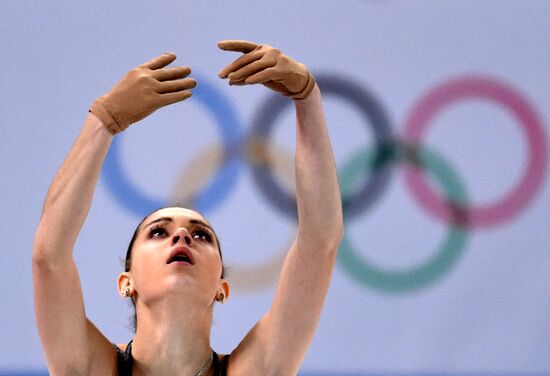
157, 232
202, 235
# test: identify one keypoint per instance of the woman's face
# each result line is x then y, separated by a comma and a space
175, 254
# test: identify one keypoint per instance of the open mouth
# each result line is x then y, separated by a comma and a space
180, 258
180, 255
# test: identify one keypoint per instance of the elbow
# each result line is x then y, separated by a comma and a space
337, 237
41, 249
326, 240
340, 229
46, 256
49, 248
338, 223
337, 233
324, 234
42, 259
40, 253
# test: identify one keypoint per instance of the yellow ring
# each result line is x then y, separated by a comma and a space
199, 171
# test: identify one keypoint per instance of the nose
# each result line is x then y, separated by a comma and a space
181, 234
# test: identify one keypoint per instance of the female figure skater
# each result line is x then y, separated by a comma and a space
174, 271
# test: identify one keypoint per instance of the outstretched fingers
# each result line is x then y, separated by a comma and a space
175, 73
237, 45
261, 76
250, 69
160, 61
240, 62
176, 85
178, 96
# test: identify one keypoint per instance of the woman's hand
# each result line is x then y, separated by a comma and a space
269, 66
142, 91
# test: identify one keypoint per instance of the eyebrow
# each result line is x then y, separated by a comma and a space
192, 221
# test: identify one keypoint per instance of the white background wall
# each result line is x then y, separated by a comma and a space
488, 314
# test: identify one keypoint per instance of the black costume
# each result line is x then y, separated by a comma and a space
125, 360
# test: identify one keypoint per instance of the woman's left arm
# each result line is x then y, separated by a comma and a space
279, 341
307, 269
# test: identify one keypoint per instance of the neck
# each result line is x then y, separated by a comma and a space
171, 341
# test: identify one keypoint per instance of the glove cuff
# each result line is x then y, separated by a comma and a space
100, 110
307, 89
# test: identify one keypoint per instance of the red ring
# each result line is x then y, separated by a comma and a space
478, 87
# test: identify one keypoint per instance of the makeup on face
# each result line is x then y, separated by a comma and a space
197, 228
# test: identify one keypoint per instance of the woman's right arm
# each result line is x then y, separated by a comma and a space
68, 339
71, 343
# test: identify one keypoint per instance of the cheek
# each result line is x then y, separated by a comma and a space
146, 261
216, 265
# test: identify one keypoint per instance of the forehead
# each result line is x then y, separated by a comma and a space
177, 214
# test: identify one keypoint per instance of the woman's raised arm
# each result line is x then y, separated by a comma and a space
69, 340
279, 341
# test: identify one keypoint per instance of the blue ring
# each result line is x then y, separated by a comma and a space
136, 201
375, 118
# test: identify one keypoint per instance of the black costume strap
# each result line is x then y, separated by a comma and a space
220, 368
124, 362
225, 363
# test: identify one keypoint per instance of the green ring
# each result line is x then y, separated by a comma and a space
405, 280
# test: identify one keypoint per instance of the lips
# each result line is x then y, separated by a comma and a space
181, 254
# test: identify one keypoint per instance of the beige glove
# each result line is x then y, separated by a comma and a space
141, 91
269, 66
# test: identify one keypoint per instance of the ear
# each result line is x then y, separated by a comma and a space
124, 282
223, 291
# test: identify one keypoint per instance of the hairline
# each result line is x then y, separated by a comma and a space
201, 220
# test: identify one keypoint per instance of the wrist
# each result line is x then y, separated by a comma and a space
313, 96
308, 88
96, 125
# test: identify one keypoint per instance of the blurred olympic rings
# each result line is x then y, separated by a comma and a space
192, 177
479, 87
446, 256
372, 166
137, 202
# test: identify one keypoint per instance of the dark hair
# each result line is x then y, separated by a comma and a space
128, 258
